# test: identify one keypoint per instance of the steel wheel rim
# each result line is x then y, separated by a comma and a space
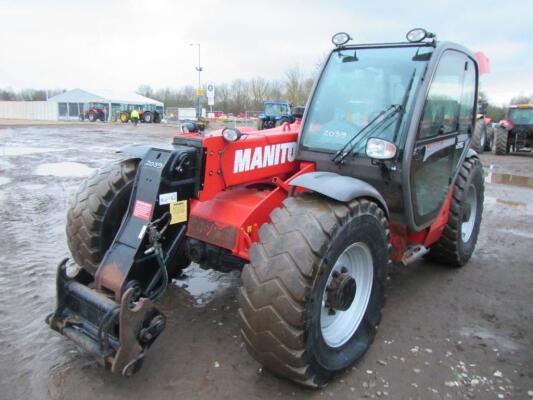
339, 328
467, 227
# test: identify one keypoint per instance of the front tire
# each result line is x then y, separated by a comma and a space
92, 117
284, 304
96, 210
459, 238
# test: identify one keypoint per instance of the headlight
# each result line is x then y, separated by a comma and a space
340, 38
380, 149
231, 134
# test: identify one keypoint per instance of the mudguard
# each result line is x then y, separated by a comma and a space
339, 187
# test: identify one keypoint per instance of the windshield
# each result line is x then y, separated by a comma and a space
272, 109
355, 87
521, 116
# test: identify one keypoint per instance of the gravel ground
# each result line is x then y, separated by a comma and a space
445, 334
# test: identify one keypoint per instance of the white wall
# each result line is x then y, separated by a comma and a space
37, 110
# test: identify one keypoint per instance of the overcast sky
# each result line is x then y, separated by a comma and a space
122, 44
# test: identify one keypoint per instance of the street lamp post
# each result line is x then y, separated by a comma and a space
199, 90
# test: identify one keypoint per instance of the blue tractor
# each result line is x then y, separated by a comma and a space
276, 113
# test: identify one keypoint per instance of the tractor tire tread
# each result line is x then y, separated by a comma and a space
87, 208
480, 129
446, 250
501, 136
278, 281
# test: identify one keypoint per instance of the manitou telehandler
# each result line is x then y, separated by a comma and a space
377, 171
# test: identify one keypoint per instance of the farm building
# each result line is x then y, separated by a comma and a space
70, 105
76, 101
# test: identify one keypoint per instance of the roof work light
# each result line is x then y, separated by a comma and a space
340, 39
419, 34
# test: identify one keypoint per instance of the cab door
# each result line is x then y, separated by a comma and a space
443, 134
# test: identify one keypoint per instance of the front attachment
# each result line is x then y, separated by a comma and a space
116, 334
112, 314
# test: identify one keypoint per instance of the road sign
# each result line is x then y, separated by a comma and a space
199, 92
210, 91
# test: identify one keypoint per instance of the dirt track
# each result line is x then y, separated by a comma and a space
445, 333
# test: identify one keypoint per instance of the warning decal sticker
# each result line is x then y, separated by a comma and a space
142, 210
178, 212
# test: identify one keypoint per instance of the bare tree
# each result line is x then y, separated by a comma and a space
293, 84
522, 99
145, 90
259, 90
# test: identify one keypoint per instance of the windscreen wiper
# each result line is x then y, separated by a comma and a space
377, 122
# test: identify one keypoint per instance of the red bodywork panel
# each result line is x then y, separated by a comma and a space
244, 181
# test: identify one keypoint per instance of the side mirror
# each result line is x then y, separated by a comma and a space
380, 149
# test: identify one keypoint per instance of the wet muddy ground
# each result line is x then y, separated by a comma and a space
445, 334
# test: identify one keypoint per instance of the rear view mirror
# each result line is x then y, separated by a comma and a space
380, 149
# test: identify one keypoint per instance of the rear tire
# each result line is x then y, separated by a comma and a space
281, 301
501, 140
479, 137
96, 210
490, 138
124, 117
459, 238
148, 117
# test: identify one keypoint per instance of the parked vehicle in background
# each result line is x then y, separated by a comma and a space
515, 132
95, 112
276, 113
148, 114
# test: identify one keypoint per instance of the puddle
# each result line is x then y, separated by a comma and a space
4, 180
489, 336
24, 150
62, 169
203, 285
508, 179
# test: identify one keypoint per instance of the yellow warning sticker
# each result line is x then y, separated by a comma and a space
178, 212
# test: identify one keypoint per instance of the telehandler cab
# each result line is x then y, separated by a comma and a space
377, 171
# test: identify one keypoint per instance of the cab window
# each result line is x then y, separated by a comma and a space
467, 101
441, 111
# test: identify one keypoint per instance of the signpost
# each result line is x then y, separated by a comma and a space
210, 95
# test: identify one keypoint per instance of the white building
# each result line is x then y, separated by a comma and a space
76, 101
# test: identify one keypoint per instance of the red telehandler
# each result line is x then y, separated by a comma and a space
377, 171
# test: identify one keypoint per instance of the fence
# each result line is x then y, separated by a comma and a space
36, 110
175, 114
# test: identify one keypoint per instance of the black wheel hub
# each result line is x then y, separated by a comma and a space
341, 291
